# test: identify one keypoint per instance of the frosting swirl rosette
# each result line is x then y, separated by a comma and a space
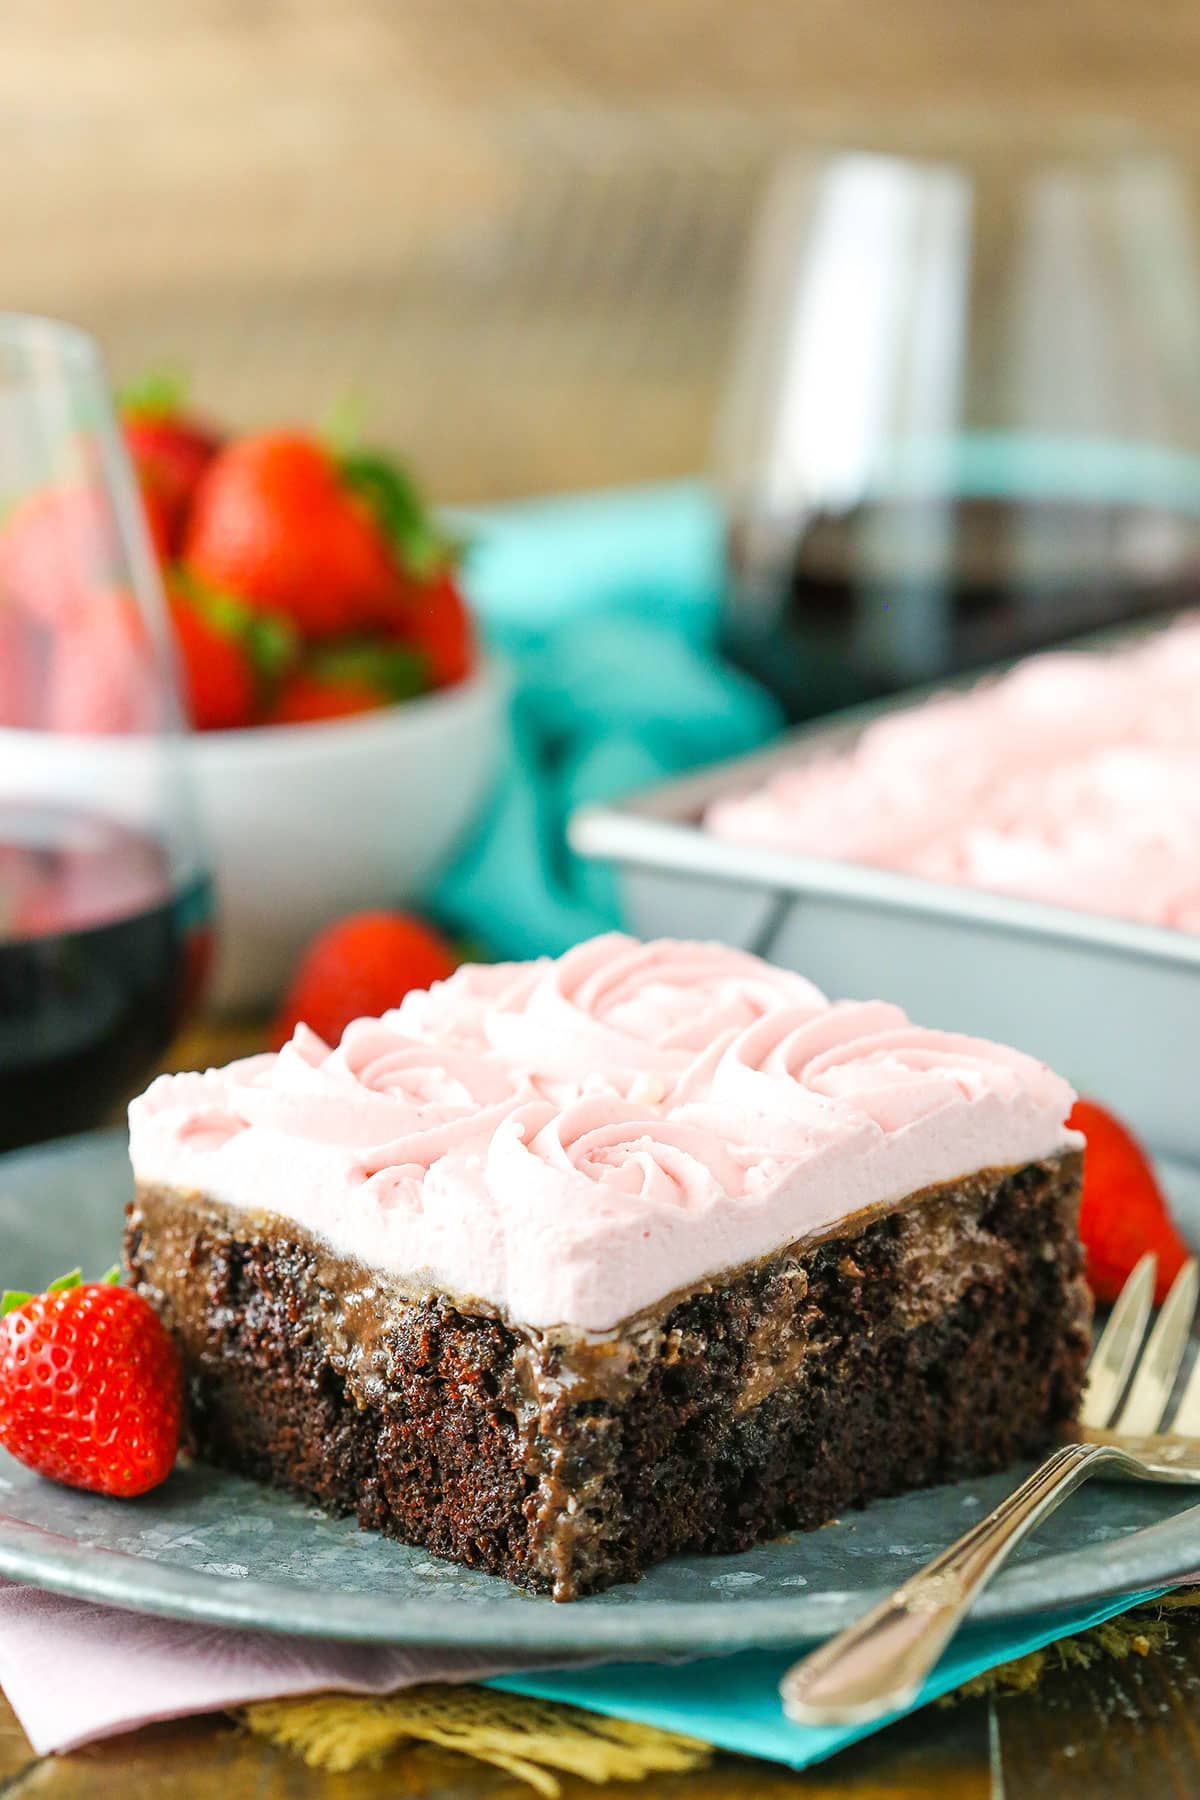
763, 1070
601, 1155
388, 1107
860, 1071
621, 1205
633, 1015
457, 1011
901, 1076
375, 1089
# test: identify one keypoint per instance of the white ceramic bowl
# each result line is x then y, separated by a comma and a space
300, 823
305, 822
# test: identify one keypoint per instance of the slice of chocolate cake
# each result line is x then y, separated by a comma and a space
563, 1267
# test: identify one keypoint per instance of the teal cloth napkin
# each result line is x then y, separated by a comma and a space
605, 607
733, 1701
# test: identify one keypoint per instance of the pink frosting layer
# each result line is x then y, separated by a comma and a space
573, 1140
1074, 779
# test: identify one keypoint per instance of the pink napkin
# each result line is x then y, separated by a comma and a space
74, 1672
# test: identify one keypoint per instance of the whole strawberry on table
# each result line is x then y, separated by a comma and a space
360, 966
304, 582
1124, 1211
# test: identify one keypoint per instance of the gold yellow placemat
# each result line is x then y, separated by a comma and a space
535, 1740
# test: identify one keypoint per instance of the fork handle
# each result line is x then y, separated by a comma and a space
877, 1665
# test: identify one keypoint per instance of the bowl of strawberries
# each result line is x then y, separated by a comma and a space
344, 725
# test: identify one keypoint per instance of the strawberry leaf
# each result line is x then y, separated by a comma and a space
395, 502
396, 670
14, 1297
272, 644
270, 641
157, 394
112, 1276
343, 425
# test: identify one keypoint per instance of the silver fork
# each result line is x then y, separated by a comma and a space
877, 1666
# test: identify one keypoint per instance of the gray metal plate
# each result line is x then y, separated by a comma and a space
212, 1547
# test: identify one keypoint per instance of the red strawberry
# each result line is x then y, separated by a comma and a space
91, 1392
274, 522
1124, 1212
359, 675
22, 667
170, 449
437, 622
60, 545
158, 524
103, 677
361, 965
419, 547
54, 548
219, 683
229, 657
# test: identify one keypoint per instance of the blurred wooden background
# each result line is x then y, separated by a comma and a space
510, 228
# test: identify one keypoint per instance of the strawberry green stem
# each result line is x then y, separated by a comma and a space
14, 1297
156, 394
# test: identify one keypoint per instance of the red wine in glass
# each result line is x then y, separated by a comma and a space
962, 421
100, 955
808, 622
102, 900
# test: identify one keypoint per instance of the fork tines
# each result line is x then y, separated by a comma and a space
1153, 1366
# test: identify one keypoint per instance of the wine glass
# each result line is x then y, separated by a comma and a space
103, 900
963, 416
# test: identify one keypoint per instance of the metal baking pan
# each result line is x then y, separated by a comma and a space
1113, 1005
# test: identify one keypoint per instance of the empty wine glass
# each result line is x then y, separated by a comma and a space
963, 418
103, 901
